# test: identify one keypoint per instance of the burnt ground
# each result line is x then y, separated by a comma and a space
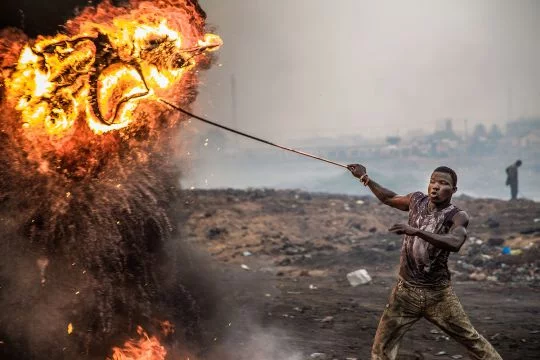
280, 259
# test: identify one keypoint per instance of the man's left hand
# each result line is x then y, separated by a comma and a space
401, 229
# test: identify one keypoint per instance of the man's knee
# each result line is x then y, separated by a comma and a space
378, 353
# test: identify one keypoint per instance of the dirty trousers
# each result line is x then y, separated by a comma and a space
441, 306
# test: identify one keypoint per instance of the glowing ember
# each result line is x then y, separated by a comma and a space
144, 348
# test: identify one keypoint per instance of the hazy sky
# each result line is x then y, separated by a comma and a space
307, 68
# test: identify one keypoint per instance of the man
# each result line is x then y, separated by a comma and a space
435, 229
512, 178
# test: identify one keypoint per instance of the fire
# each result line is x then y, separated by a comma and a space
88, 177
144, 348
53, 80
102, 74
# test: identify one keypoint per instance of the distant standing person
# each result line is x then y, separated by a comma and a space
435, 229
512, 178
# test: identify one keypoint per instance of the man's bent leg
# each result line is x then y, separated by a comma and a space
400, 313
446, 312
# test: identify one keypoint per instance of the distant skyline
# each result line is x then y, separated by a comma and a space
310, 68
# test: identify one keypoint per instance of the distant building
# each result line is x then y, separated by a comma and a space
494, 133
529, 140
522, 127
447, 133
393, 140
524, 132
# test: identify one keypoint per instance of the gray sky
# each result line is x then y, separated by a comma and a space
307, 68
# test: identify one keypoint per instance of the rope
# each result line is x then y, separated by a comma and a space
177, 108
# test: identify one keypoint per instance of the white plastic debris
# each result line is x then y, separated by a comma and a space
247, 253
327, 319
245, 267
358, 277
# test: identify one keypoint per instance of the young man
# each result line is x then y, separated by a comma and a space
512, 179
435, 229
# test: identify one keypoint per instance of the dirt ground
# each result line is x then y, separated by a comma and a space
282, 259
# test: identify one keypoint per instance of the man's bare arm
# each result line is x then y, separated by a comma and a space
451, 241
389, 197
385, 195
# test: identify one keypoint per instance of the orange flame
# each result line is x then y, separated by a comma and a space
52, 81
97, 78
144, 348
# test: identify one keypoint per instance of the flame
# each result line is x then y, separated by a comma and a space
144, 348
211, 42
99, 73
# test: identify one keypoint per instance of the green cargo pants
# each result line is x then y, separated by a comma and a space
441, 306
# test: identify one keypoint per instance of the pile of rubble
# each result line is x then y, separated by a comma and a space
496, 260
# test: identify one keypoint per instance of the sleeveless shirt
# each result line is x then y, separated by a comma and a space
421, 263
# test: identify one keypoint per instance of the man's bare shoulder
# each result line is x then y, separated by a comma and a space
461, 218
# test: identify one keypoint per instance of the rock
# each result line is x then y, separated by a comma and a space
356, 225
492, 223
391, 246
358, 277
465, 266
440, 353
529, 231
215, 232
283, 262
305, 196
495, 241
318, 273
457, 357
478, 260
319, 356
373, 230
478, 276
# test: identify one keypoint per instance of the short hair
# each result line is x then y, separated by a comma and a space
518, 163
446, 169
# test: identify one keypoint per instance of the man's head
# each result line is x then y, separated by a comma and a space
518, 163
442, 185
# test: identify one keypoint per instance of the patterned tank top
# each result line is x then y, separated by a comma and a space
421, 263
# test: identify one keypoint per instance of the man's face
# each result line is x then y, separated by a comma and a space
441, 187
